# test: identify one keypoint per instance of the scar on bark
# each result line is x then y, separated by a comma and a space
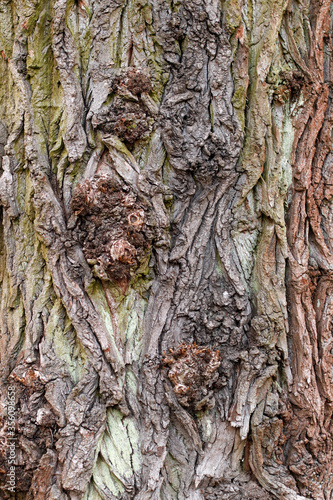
192, 371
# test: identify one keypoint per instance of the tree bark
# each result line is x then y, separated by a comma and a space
166, 246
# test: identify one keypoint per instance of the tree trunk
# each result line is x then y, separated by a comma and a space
166, 245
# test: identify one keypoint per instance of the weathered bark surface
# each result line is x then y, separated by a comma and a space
166, 246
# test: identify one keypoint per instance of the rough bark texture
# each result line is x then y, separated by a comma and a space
166, 246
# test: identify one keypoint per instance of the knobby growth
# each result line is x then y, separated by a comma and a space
193, 370
129, 116
113, 227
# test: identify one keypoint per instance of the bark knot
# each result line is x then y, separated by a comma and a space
112, 227
128, 116
192, 371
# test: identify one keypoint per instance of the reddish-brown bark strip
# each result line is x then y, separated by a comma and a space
309, 279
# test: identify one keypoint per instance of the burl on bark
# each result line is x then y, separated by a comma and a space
111, 227
193, 371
